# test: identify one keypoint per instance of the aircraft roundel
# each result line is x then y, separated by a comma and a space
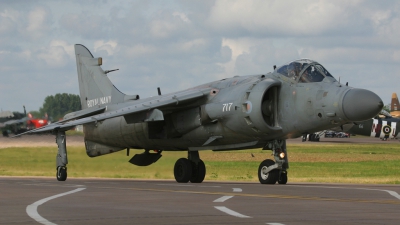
387, 129
249, 107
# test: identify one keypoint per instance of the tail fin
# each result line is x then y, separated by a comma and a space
94, 86
394, 106
395, 103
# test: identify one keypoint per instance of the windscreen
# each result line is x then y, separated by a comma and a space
304, 71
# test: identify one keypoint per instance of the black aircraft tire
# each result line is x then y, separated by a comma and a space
183, 170
271, 177
61, 173
283, 179
198, 172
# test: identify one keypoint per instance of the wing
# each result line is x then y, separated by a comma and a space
11, 122
132, 113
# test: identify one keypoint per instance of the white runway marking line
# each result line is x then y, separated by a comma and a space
31, 209
227, 210
392, 193
275, 223
230, 212
222, 199
237, 189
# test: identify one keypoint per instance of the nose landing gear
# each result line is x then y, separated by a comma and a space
269, 171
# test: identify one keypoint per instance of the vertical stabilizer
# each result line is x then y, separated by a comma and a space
395, 106
94, 86
395, 103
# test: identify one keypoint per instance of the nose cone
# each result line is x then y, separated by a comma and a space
360, 104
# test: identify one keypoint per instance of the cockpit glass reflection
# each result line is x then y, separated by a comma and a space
304, 71
310, 75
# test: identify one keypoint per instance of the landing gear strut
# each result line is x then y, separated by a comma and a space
61, 157
270, 172
191, 169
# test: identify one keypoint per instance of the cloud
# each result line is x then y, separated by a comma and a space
17, 26
178, 44
57, 54
85, 25
286, 18
38, 22
110, 46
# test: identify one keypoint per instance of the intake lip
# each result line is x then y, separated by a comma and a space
361, 104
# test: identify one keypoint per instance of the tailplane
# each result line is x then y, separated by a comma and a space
94, 86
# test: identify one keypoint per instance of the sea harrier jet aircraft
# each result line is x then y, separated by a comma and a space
241, 112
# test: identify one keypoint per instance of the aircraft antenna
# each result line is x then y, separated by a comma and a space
159, 91
108, 71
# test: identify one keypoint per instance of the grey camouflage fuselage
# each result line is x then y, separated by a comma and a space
241, 112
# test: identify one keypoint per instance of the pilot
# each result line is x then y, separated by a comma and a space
311, 74
293, 70
304, 77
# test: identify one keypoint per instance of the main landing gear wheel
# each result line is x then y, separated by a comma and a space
283, 178
267, 178
183, 170
61, 173
198, 172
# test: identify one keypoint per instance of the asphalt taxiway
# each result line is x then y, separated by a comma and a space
115, 201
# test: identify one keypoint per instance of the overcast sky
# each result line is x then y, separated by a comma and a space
179, 44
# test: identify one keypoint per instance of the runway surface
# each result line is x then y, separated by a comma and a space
114, 201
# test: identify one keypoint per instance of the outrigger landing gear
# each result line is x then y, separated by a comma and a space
191, 169
61, 157
270, 172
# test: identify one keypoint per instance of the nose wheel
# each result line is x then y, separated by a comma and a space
267, 173
270, 171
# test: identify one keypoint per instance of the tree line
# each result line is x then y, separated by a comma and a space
56, 106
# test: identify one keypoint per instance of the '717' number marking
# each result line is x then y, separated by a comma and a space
226, 107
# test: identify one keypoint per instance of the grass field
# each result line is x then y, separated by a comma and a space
333, 163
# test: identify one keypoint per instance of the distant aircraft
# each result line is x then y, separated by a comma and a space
256, 111
395, 106
386, 126
6, 114
383, 128
21, 123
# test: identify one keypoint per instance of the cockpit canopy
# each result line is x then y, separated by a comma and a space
304, 71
